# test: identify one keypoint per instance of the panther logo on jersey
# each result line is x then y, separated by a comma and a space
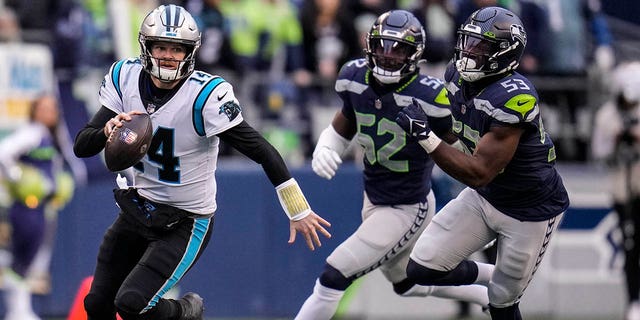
230, 109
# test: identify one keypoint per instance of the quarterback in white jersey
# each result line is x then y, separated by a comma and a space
181, 162
166, 218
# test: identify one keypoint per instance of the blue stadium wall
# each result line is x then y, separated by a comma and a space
248, 269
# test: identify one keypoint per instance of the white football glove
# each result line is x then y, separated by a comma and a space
325, 162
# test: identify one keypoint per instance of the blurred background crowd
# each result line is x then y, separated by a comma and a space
283, 55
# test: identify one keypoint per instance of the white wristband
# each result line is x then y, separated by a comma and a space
430, 143
292, 200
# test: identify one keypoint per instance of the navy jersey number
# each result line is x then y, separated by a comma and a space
161, 152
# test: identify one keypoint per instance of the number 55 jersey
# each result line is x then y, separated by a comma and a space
529, 188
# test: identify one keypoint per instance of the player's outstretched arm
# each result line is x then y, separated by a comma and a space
301, 218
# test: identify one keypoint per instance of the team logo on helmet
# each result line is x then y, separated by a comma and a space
518, 33
230, 109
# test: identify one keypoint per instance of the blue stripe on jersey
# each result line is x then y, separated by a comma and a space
199, 231
115, 76
198, 105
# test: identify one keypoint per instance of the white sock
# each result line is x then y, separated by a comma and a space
471, 293
321, 304
485, 270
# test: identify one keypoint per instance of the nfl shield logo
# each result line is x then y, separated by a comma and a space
128, 136
378, 104
463, 109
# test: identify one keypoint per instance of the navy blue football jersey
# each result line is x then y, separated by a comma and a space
529, 188
396, 168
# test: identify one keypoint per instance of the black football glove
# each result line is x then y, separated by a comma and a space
413, 120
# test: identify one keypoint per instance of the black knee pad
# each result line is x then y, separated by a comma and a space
332, 278
465, 273
422, 275
130, 302
510, 312
403, 286
98, 307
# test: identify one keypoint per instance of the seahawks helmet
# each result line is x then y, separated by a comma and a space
394, 46
490, 42
169, 23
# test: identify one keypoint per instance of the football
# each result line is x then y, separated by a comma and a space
128, 144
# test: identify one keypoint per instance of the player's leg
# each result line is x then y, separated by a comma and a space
395, 270
167, 259
38, 276
384, 232
122, 246
457, 231
521, 247
629, 224
28, 226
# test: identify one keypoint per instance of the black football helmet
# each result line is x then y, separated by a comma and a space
490, 42
394, 46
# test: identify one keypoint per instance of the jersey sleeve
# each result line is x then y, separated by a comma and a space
346, 84
111, 90
216, 108
511, 101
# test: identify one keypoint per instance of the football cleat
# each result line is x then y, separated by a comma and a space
192, 306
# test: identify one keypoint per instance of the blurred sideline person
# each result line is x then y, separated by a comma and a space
32, 163
175, 182
616, 141
514, 192
398, 200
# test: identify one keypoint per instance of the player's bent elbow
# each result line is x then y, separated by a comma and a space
478, 181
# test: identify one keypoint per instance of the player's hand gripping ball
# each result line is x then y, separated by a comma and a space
128, 144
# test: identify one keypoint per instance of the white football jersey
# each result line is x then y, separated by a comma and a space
179, 168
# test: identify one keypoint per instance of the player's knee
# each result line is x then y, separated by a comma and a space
334, 279
422, 275
97, 306
130, 302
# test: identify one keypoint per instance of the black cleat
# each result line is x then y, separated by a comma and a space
192, 306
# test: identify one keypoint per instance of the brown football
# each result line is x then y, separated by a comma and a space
128, 144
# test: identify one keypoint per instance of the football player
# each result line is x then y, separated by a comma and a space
398, 200
167, 216
514, 192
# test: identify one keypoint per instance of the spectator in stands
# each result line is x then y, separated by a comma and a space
437, 17
31, 160
9, 26
579, 55
215, 51
616, 141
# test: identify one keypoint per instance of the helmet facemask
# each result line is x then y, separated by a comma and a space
392, 60
394, 46
490, 47
154, 65
170, 24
